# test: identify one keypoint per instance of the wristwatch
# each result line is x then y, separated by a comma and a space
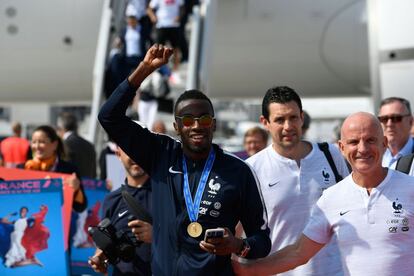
245, 249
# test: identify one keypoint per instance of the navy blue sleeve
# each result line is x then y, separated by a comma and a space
111, 204
254, 217
105, 209
137, 142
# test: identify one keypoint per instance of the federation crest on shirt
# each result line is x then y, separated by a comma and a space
397, 207
210, 205
326, 176
399, 221
214, 187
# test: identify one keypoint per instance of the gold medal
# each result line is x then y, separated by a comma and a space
194, 229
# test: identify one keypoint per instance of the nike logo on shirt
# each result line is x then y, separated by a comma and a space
343, 213
123, 213
273, 184
173, 171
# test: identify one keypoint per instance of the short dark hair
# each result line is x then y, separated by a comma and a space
192, 95
389, 100
52, 135
68, 121
279, 94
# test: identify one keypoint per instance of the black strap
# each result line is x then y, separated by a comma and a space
324, 147
404, 163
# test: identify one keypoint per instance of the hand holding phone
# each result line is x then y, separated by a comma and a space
213, 233
220, 241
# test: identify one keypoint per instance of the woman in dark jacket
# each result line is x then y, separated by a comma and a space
48, 153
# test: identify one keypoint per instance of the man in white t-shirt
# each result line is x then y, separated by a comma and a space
166, 14
292, 175
371, 213
132, 39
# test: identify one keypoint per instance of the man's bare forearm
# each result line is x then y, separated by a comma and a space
285, 259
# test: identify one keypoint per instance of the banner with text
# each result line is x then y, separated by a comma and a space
32, 238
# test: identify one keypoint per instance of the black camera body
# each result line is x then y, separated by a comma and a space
116, 245
119, 245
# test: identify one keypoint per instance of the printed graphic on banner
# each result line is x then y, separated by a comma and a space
82, 246
31, 228
19, 174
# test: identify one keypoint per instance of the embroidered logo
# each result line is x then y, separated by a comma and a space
405, 221
171, 170
122, 213
214, 213
393, 229
343, 212
326, 176
203, 210
206, 202
397, 207
217, 205
273, 184
214, 187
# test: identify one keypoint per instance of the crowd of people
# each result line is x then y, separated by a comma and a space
293, 207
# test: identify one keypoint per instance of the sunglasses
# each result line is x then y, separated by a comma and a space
189, 120
393, 118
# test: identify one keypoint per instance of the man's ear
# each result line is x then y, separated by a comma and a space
214, 125
302, 118
385, 144
341, 147
264, 121
176, 128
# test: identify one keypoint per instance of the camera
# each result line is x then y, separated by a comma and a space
119, 245
116, 245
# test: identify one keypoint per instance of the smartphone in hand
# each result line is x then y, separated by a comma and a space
213, 233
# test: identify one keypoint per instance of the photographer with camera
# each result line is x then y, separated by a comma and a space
122, 240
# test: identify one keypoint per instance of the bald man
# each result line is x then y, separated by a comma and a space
371, 213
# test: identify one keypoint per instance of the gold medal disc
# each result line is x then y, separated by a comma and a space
194, 229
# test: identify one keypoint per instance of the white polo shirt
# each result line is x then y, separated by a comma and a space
289, 193
375, 233
166, 12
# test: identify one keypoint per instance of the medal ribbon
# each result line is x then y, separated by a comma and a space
193, 207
